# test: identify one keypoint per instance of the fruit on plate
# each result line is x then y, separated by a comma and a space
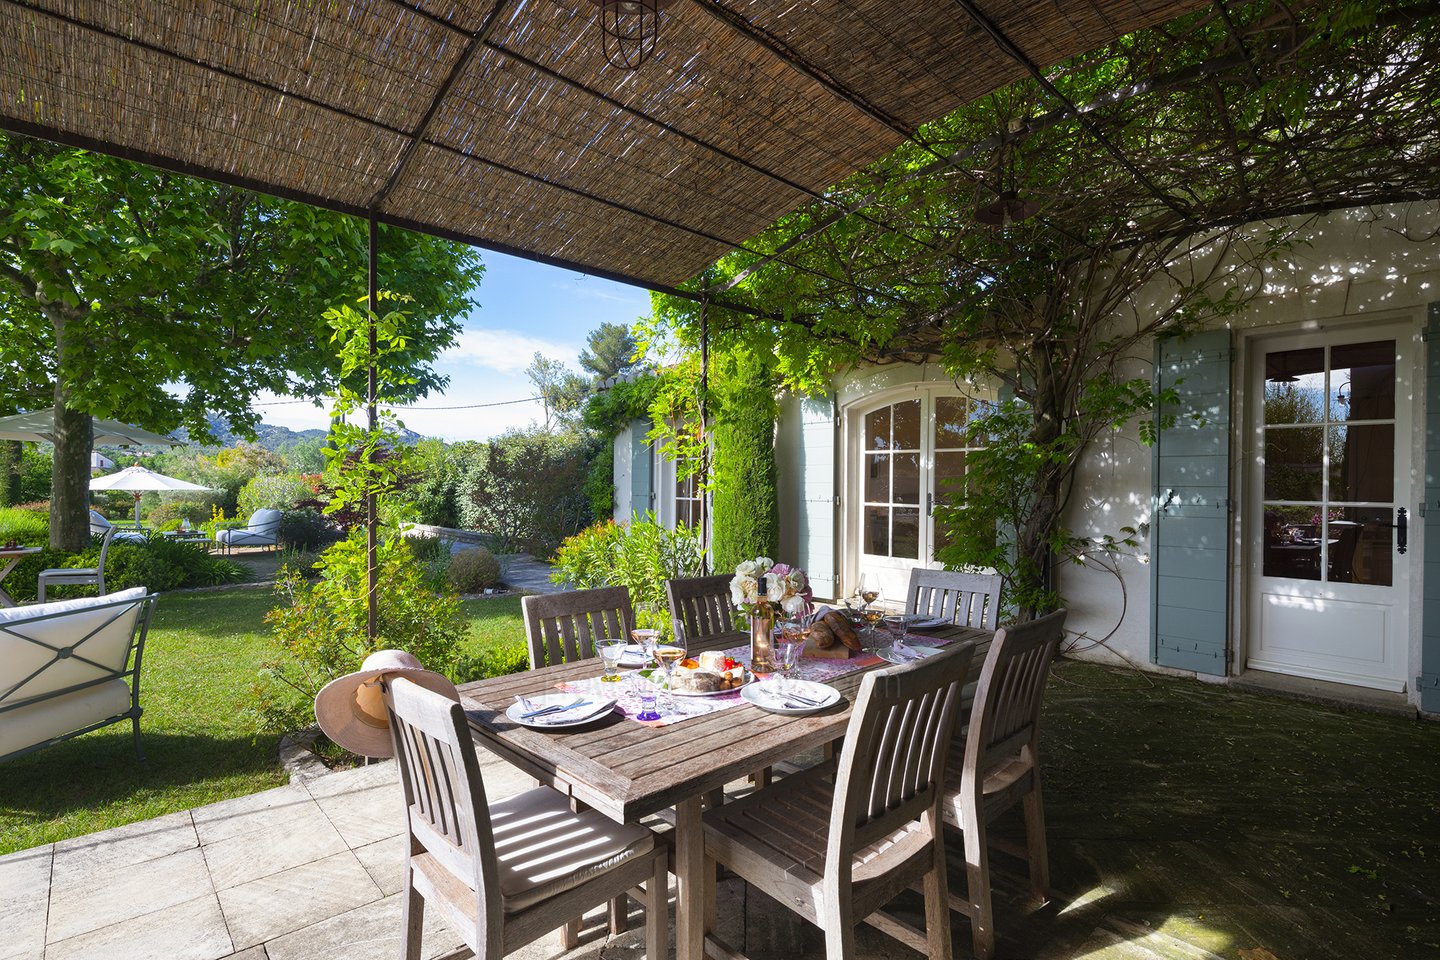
689, 663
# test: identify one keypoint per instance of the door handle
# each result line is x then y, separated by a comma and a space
1402, 530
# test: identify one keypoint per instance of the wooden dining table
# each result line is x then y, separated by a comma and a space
627, 770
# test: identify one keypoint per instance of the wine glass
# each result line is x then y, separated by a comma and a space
670, 654
899, 626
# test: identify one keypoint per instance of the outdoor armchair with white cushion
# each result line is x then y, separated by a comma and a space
504, 873
70, 667
99, 526
261, 530
77, 576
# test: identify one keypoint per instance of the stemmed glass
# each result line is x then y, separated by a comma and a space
647, 636
670, 654
899, 626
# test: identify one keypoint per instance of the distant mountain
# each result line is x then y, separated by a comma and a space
276, 438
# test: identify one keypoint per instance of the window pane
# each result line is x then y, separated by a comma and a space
877, 429
907, 425
1361, 459
1295, 386
949, 422
1292, 542
948, 466
1362, 546
877, 478
907, 477
876, 535
1293, 462
906, 541
1362, 381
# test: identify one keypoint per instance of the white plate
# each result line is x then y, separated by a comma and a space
928, 623
569, 718
888, 653
761, 696
658, 678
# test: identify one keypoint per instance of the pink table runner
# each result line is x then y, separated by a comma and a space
818, 669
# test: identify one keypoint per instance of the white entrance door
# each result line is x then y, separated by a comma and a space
1331, 498
904, 455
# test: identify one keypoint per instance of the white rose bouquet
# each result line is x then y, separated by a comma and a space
764, 588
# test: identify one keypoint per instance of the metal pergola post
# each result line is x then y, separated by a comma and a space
372, 525
702, 480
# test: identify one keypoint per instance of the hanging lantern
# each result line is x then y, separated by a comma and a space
629, 30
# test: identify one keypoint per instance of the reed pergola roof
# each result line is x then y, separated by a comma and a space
497, 122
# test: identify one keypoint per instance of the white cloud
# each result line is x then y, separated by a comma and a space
505, 351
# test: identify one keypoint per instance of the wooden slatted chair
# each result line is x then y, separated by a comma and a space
561, 627
836, 842
701, 606
503, 874
967, 599
995, 765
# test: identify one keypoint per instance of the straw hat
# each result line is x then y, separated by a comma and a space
351, 709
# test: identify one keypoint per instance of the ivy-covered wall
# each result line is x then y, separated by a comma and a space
746, 510
607, 413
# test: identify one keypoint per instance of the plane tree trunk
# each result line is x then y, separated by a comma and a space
74, 441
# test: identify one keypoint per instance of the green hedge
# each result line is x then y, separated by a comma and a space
159, 564
746, 507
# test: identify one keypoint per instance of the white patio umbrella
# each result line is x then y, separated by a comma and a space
39, 426
138, 479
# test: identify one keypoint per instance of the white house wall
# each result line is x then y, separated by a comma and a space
1358, 264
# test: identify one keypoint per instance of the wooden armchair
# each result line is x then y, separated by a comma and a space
836, 842
503, 874
996, 765
967, 599
561, 627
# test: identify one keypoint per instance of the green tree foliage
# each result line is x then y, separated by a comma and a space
119, 283
562, 391
746, 507
527, 489
611, 351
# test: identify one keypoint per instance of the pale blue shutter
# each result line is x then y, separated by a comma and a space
642, 469
1429, 680
1190, 532
818, 510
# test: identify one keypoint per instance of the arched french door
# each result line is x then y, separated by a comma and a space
904, 451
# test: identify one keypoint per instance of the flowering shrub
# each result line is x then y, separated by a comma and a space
762, 587
640, 556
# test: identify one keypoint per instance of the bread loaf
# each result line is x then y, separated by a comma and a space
821, 635
842, 628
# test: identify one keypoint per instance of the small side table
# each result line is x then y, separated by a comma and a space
8, 559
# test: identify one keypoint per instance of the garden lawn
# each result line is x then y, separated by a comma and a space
198, 729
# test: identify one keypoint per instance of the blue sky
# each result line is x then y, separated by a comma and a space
521, 307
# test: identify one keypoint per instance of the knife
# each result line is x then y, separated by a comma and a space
554, 708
